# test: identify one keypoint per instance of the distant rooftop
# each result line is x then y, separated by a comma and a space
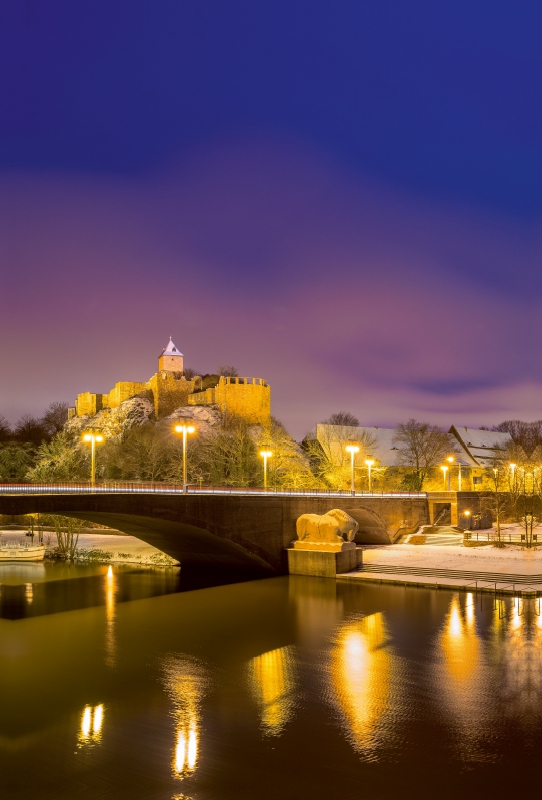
171, 349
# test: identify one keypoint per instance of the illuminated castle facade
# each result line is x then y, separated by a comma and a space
169, 389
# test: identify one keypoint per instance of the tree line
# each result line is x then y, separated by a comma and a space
41, 450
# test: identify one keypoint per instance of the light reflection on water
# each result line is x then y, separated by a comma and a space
110, 590
273, 684
279, 688
186, 683
360, 672
90, 731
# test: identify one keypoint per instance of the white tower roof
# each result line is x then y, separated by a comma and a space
171, 350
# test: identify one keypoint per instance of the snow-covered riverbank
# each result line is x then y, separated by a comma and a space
102, 545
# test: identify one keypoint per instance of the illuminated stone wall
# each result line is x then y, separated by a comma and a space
123, 391
88, 403
170, 390
250, 398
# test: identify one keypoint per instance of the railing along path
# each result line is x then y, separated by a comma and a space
162, 488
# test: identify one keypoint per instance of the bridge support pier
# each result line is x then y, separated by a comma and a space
323, 564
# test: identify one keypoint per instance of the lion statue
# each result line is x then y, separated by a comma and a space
335, 527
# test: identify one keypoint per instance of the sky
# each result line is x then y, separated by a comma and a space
344, 198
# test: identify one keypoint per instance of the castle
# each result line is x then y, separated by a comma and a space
169, 389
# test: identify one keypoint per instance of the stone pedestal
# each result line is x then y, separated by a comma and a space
324, 560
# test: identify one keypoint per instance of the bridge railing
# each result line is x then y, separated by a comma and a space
163, 488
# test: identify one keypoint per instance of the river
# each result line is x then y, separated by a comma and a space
119, 682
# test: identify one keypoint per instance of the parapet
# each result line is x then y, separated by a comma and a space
249, 398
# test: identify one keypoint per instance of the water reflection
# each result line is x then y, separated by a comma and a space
110, 597
273, 684
90, 731
460, 643
361, 668
186, 684
516, 650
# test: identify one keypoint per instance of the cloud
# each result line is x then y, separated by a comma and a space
263, 253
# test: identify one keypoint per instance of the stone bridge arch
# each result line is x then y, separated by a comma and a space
243, 533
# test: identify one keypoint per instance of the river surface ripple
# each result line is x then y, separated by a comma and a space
117, 682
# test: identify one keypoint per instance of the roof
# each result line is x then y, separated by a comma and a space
171, 350
482, 446
477, 448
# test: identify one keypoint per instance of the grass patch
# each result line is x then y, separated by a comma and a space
93, 555
162, 560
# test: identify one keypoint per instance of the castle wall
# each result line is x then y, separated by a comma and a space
170, 391
250, 398
88, 403
123, 391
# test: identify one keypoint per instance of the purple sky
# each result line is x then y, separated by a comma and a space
360, 226
265, 254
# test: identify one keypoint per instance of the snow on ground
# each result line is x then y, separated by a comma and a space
129, 548
511, 559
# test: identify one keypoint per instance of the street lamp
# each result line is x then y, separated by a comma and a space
451, 460
529, 528
467, 514
352, 449
265, 454
369, 462
513, 469
444, 471
185, 430
94, 439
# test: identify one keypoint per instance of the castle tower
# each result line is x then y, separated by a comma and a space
171, 359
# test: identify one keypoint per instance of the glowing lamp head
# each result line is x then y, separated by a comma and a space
466, 513
266, 453
99, 438
187, 428
352, 448
87, 437
444, 469
513, 466
369, 462
451, 459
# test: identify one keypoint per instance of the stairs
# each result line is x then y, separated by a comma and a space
451, 574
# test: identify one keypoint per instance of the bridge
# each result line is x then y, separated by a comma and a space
240, 530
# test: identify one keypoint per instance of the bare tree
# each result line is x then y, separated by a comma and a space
142, 456
289, 466
422, 447
528, 435
497, 499
190, 373
67, 531
55, 418
327, 453
30, 429
5, 430
343, 418
227, 371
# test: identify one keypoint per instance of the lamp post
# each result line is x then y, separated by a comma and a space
444, 471
369, 462
185, 430
265, 454
94, 439
513, 470
529, 528
451, 460
352, 449
467, 515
